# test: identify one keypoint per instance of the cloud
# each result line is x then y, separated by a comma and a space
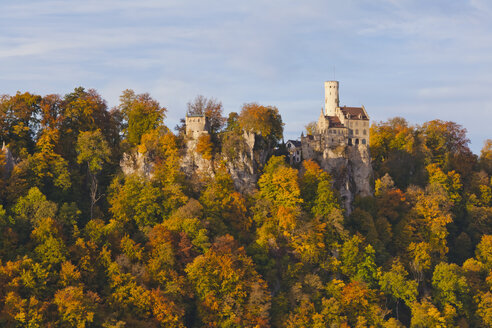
391, 56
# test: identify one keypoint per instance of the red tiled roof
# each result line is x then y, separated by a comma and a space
334, 122
355, 113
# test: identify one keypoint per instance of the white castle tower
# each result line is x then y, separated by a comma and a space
331, 97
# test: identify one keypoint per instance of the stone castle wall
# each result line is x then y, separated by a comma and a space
196, 126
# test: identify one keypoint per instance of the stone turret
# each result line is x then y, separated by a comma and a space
331, 98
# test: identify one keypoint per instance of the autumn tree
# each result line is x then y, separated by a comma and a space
76, 308
229, 290
359, 305
225, 208
425, 314
83, 110
262, 120
161, 146
141, 114
204, 146
136, 201
279, 202
446, 144
394, 150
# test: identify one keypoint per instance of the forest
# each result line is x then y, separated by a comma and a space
84, 245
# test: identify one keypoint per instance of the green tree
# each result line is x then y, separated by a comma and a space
19, 122
93, 150
136, 201
141, 114
358, 261
83, 110
450, 287
395, 284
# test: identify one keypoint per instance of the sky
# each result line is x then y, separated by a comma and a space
418, 59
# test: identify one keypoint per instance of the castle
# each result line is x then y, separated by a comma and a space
196, 125
336, 126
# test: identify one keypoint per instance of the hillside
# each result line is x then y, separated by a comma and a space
108, 218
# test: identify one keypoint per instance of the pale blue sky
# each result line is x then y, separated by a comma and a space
417, 59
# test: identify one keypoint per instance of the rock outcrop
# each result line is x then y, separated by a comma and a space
193, 163
350, 167
248, 156
248, 162
136, 162
244, 163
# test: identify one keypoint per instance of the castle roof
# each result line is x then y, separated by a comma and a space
334, 122
354, 113
195, 115
296, 143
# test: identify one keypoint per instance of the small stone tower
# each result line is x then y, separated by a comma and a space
196, 125
331, 97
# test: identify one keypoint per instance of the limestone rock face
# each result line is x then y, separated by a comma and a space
350, 167
250, 159
193, 163
138, 163
361, 169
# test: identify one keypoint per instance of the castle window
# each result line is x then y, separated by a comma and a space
356, 141
363, 141
356, 131
364, 132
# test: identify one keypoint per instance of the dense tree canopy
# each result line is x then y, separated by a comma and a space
83, 244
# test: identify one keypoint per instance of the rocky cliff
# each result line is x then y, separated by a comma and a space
350, 167
246, 156
248, 161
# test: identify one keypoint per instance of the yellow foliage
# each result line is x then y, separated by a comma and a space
204, 146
